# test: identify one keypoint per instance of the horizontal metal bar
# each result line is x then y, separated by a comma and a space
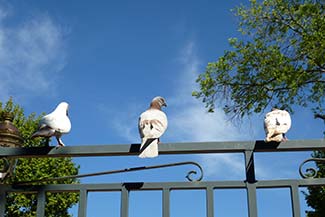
137, 186
165, 148
291, 182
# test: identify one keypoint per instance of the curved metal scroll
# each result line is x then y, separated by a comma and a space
188, 176
310, 172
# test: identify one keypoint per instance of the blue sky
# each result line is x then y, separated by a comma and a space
108, 59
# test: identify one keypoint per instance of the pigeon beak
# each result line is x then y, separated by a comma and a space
165, 104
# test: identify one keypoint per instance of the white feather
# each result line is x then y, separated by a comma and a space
276, 123
58, 119
152, 124
55, 124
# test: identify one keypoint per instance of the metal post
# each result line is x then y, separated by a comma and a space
210, 202
251, 198
249, 167
295, 200
166, 202
40, 212
124, 202
250, 183
3, 201
82, 209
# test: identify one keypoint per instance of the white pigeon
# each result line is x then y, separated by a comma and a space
276, 124
55, 124
152, 124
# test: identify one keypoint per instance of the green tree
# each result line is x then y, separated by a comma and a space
278, 62
316, 195
57, 204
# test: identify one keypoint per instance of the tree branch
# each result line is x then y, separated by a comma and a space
320, 116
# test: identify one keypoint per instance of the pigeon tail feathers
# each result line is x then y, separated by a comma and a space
44, 132
276, 124
149, 148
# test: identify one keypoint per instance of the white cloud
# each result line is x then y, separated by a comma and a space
187, 116
223, 166
189, 120
119, 121
31, 55
192, 123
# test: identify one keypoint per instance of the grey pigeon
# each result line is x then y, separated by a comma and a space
152, 124
55, 124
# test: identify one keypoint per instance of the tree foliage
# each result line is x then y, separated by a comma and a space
57, 204
316, 194
280, 61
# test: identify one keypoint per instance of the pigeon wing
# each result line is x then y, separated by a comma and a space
152, 123
59, 123
284, 121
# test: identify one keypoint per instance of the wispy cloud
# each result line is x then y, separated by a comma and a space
31, 55
119, 120
189, 120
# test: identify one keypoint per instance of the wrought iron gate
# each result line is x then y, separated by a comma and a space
250, 184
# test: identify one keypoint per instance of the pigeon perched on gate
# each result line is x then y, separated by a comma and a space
276, 124
152, 124
55, 124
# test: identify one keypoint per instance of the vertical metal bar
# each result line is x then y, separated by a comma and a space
249, 167
251, 199
295, 200
250, 184
3, 201
124, 202
82, 209
40, 211
210, 202
166, 202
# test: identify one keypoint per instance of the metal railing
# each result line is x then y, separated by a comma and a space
248, 148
